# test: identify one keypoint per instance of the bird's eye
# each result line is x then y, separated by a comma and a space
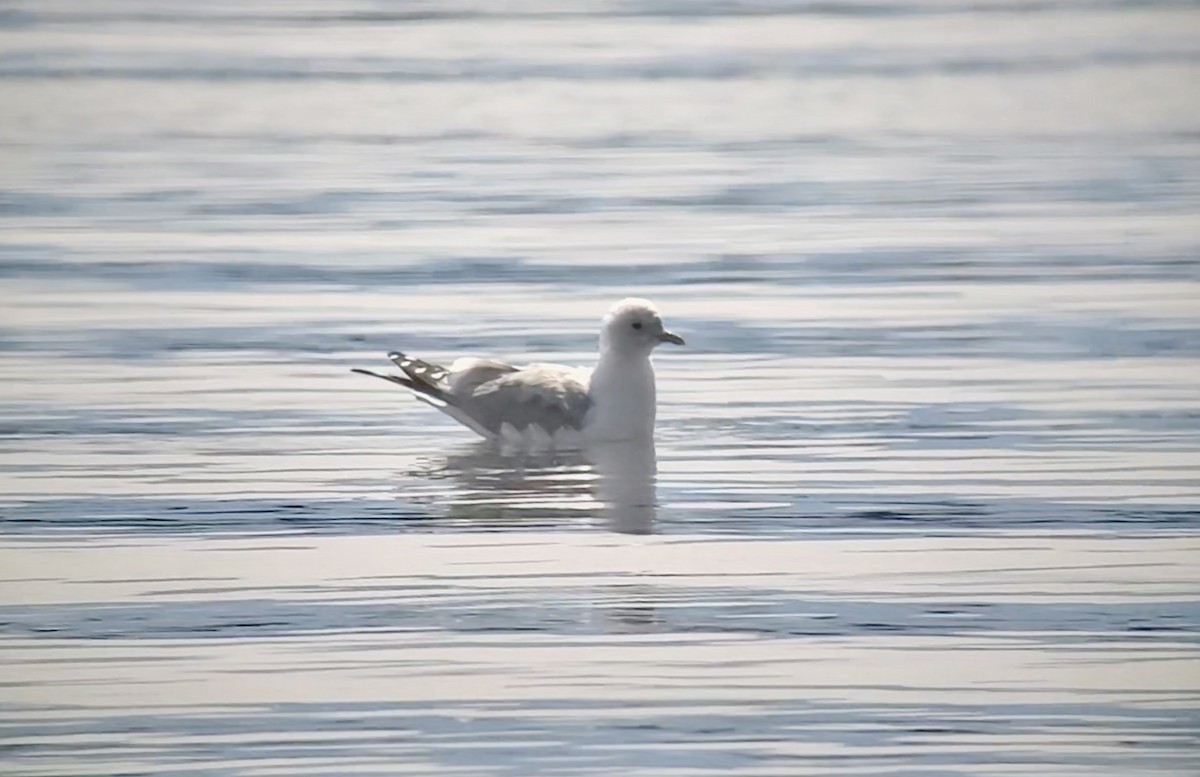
637, 324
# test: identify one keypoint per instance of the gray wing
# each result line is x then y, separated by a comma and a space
484, 394
549, 396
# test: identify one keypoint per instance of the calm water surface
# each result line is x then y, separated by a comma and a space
927, 498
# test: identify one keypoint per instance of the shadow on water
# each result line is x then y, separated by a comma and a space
609, 484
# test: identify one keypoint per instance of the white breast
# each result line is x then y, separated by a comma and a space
623, 400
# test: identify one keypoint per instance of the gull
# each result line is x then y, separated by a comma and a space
540, 405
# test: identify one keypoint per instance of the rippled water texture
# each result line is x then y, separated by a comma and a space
927, 498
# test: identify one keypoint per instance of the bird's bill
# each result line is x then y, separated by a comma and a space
671, 337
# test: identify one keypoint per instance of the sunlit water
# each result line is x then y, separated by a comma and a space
926, 500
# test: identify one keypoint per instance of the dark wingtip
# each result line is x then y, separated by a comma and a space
391, 378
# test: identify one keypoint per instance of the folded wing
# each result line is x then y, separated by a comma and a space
547, 396
487, 395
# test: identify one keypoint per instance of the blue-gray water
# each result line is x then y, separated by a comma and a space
927, 498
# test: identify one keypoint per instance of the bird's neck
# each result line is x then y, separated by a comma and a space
626, 364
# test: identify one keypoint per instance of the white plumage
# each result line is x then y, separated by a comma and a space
545, 405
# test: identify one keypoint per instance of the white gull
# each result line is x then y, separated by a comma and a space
551, 404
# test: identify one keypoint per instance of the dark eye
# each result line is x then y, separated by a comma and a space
637, 324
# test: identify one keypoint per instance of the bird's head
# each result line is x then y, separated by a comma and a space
635, 326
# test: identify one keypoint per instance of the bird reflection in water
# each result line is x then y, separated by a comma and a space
612, 483
625, 485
